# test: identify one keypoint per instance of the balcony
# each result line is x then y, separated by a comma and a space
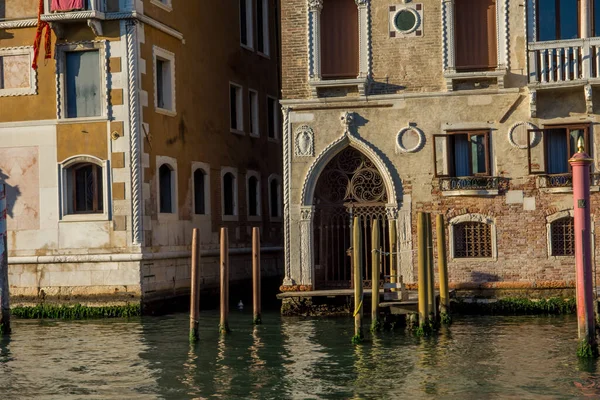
564, 62
93, 11
563, 183
473, 185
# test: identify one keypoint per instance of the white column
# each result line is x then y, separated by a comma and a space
314, 39
306, 245
364, 39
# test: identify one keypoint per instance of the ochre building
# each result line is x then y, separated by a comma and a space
469, 109
149, 119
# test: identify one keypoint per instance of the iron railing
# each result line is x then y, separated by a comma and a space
471, 183
564, 180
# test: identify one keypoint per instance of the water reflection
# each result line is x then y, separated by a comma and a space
293, 358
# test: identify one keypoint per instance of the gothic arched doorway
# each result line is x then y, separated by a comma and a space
349, 186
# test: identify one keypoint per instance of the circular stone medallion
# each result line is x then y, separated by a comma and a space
406, 21
410, 139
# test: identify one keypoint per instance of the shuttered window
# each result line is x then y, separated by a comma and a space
475, 39
339, 39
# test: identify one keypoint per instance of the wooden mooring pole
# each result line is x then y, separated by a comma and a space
224, 324
375, 273
442, 266
4, 292
431, 302
394, 273
357, 257
195, 289
256, 275
422, 261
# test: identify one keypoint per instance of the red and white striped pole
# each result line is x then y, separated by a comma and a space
580, 163
4, 295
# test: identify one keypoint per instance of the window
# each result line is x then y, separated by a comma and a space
562, 237
199, 192
166, 189
164, 81
229, 194
236, 108
254, 113
476, 42
262, 26
550, 149
339, 40
472, 240
82, 84
253, 189
84, 182
273, 118
462, 154
557, 19
274, 197
246, 27
17, 78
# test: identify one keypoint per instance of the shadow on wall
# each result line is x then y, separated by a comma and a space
12, 193
480, 277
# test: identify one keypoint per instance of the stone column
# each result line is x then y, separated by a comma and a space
306, 245
314, 39
364, 38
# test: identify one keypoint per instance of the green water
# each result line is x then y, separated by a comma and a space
293, 358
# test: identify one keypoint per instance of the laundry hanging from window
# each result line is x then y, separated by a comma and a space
67, 5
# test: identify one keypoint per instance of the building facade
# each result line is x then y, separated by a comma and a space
470, 109
150, 118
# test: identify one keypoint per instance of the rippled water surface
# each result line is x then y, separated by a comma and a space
293, 358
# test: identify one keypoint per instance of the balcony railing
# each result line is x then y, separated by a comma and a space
472, 183
564, 61
91, 6
564, 180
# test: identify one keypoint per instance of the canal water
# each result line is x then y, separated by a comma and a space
293, 358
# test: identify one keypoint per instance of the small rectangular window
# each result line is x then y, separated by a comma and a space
462, 154
236, 108
246, 27
82, 82
472, 240
273, 118
164, 84
262, 26
254, 112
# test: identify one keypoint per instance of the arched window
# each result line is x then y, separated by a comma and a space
253, 197
339, 39
275, 198
472, 239
229, 192
85, 192
199, 192
165, 183
562, 237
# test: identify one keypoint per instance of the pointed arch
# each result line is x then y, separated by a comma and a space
334, 148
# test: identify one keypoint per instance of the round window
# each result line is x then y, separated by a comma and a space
406, 20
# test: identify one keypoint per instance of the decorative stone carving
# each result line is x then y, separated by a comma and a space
347, 119
391, 212
589, 104
410, 140
305, 142
520, 128
315, 5
306, 245
533, 103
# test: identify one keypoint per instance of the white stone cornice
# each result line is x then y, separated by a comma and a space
22, 23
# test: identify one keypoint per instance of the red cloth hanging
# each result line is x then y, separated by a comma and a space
67, 5
41, 25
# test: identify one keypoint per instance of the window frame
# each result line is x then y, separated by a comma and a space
64, 168
235, 216
266, 42
557, 20
164, 55
276, 119
172, 163
540, 133
205, 168
253, 113
279, 194
33, 78
479, 218
239, 102
166, 5
61, 68
256, 175
449, 152
249, 24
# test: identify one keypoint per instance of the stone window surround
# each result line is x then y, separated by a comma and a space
249, 25
235, 216
240, 108
473, 217
277, 122
166, 55
166, 5
258, 217
172, 163
277, 178
266, 31
554, 217
449, 61
314, 48
32, 89
254, 113
196, 165
61, 97
63, 168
